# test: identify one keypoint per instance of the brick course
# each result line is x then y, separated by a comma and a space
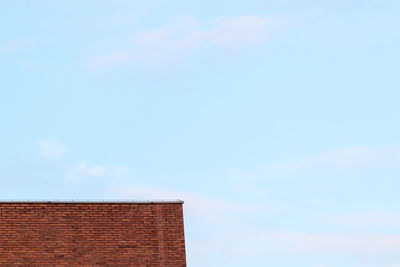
89, 234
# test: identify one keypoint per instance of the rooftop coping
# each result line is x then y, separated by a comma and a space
79, 201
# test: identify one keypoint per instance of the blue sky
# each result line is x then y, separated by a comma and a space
276, 121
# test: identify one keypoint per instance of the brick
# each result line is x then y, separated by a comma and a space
91, 234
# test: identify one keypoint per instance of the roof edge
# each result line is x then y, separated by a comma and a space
79, 201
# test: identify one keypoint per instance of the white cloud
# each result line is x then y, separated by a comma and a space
55, 150
352, 157
236, 32
52, 149
367, 220
84, 170
366, 246
263, 244
15, 45
277, 245
169, 44
112, 60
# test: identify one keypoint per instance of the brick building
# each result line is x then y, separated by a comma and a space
88, 233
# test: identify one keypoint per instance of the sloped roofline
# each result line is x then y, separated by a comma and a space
89, 201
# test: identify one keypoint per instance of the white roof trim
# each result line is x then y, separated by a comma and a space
87, 201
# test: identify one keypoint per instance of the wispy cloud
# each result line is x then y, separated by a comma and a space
352, 157
371, 249
55, 150
52, 149
366, 250
88, 170
168, 44
365, 246
84, 170
377, 219
15, 45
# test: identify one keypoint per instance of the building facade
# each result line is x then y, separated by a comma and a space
90, 233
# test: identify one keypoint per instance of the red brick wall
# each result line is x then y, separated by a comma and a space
92, 234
